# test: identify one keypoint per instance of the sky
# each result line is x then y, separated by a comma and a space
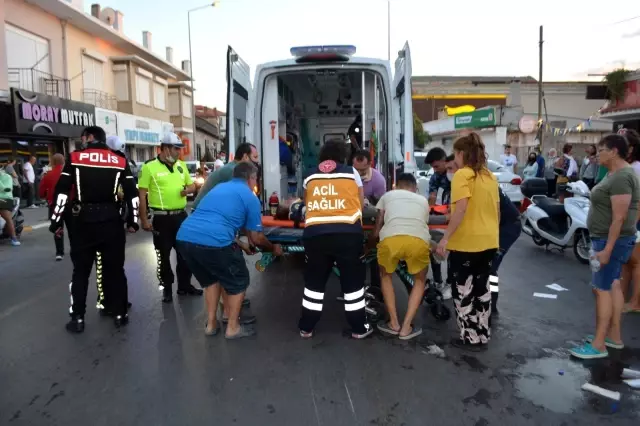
460, 37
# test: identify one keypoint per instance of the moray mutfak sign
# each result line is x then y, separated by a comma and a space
476, 119
38, 114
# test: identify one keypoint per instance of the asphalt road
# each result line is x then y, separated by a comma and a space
162, 370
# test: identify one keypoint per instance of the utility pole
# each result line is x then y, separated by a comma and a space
541, 129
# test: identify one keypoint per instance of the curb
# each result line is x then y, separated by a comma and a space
34, 227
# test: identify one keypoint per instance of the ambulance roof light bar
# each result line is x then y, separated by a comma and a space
337, 53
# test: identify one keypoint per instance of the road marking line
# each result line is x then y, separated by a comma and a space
34, 227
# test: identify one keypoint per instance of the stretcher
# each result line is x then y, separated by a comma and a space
285, 233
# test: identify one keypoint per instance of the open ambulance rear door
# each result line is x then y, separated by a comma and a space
239, 102
402, 148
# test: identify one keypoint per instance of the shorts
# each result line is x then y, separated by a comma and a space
413, 250
7, 204
622, 250
211, 265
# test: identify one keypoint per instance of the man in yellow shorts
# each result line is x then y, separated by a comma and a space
402, 227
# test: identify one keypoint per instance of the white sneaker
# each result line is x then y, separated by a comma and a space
15, 243
446, 291
59, 257
32, 206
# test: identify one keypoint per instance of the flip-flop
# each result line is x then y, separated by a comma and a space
629, 310
386, 328
244, 332
607, 342
415, 332
213, 332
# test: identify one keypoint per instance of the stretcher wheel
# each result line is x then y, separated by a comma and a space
375, 311
432, 296
440, 311
373, 293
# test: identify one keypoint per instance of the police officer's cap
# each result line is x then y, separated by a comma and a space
171, 139
115, 143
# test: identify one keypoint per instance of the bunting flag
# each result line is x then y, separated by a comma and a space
584, 126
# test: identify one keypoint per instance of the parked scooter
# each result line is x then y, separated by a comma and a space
550, 222
18, 221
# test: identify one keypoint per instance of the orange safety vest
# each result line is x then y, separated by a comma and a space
332, 200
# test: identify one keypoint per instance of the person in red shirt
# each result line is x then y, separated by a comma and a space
47, 189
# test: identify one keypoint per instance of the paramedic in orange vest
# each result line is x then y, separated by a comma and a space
333, 199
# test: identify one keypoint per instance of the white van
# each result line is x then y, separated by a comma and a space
316, 96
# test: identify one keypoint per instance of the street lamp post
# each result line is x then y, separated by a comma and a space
193, 97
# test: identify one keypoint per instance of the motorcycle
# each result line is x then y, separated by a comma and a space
550, 222
18, 221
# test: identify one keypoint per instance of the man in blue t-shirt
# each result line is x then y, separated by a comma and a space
207, 241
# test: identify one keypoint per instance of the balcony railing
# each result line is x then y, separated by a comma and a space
40, 82
100, 99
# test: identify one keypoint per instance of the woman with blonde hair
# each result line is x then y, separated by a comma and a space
472, 240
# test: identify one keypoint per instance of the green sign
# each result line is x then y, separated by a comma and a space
476, 119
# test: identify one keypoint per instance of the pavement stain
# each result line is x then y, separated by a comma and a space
481, 397
388, 419
15, 416
482, 422
474, 363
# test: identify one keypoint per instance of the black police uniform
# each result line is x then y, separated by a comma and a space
94, 173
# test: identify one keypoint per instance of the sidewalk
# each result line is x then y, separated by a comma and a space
35, 218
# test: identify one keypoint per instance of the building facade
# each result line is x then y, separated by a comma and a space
625, 112
55, 55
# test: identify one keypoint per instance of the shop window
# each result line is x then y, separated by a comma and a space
6, 150
186, 106
159, 96
143, 90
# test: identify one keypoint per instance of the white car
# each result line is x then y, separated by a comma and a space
509, 182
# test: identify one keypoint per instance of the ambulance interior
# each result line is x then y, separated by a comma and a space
318, 105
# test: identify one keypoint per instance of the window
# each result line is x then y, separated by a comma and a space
159, 96
186, 106
26, 50
141, 153
121, 83
174, 105
143, 90
92, 75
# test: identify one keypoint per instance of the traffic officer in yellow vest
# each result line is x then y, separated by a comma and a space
333, 198
164, 183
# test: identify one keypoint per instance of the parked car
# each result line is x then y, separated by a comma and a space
509, 182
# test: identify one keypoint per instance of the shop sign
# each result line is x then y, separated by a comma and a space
108, 120
476, 119
38, 114
135, 130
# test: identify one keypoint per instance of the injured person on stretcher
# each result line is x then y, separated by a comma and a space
287, 226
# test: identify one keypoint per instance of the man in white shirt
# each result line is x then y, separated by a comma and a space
509, 160
403, 229
219, 161
29, 177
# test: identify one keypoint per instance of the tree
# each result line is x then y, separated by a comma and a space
420, 137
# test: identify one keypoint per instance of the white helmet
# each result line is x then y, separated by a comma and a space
115, 143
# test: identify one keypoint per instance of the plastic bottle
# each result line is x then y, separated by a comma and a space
274, 202
593, 261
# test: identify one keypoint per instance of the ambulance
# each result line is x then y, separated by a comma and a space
313, 97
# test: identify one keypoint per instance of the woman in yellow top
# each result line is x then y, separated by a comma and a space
472, 240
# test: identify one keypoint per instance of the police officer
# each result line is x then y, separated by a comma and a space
165, 183
333, 233
95, 172
114, 143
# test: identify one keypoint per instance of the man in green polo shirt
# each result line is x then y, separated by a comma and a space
245, 153
164, 184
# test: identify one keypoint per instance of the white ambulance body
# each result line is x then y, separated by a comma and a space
315, 97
